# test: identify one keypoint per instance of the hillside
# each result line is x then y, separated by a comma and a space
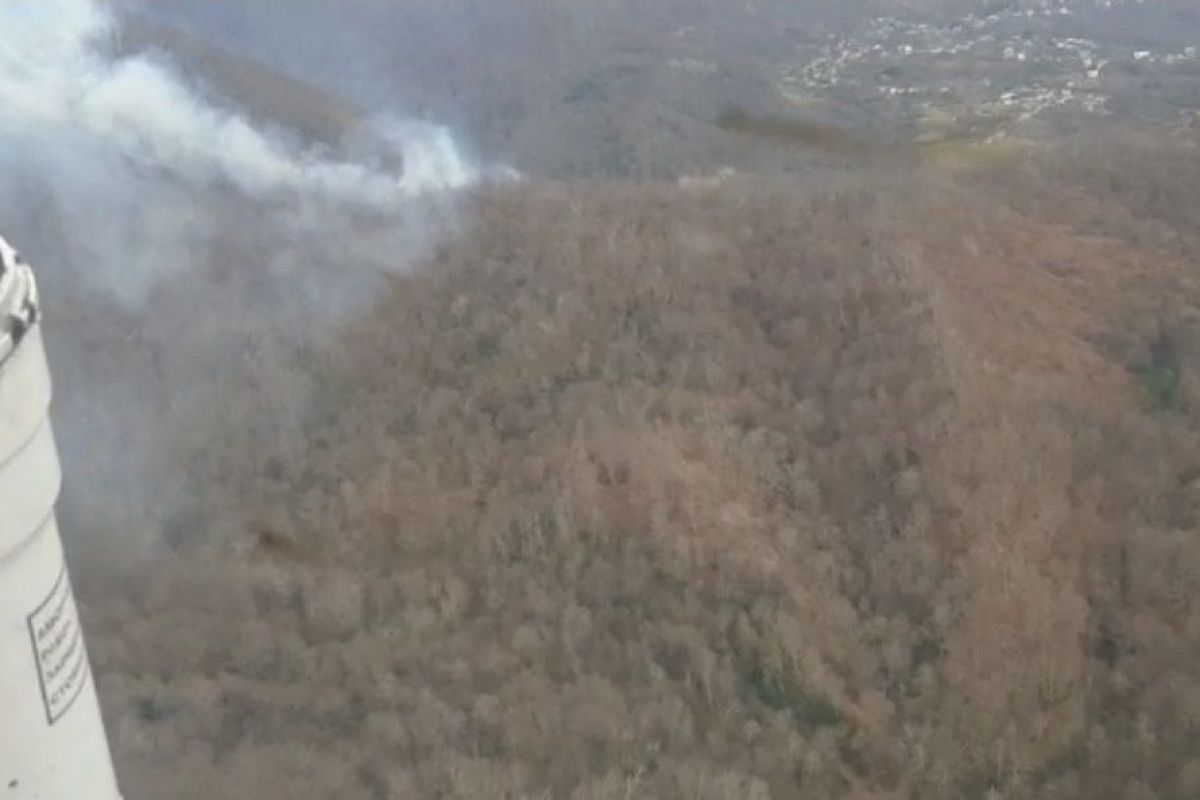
268, 96
815, 417
876, 487
626, 89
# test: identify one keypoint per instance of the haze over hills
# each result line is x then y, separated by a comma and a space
624, 89
270, 96
779, 435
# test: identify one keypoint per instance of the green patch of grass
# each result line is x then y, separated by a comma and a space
925, 652
779, 692
588, 90
487, 346
1161, 378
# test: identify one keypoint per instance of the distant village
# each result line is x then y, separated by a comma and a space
1011, 66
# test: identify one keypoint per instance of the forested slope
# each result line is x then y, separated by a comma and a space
879, 488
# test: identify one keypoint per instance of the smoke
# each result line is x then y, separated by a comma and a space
182, 244
52, 77
129, 155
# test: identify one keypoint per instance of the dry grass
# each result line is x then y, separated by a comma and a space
740, 493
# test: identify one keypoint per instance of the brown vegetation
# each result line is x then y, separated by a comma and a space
746, 492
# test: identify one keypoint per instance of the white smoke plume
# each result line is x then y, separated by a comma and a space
175, 238
52, 76
132, 162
